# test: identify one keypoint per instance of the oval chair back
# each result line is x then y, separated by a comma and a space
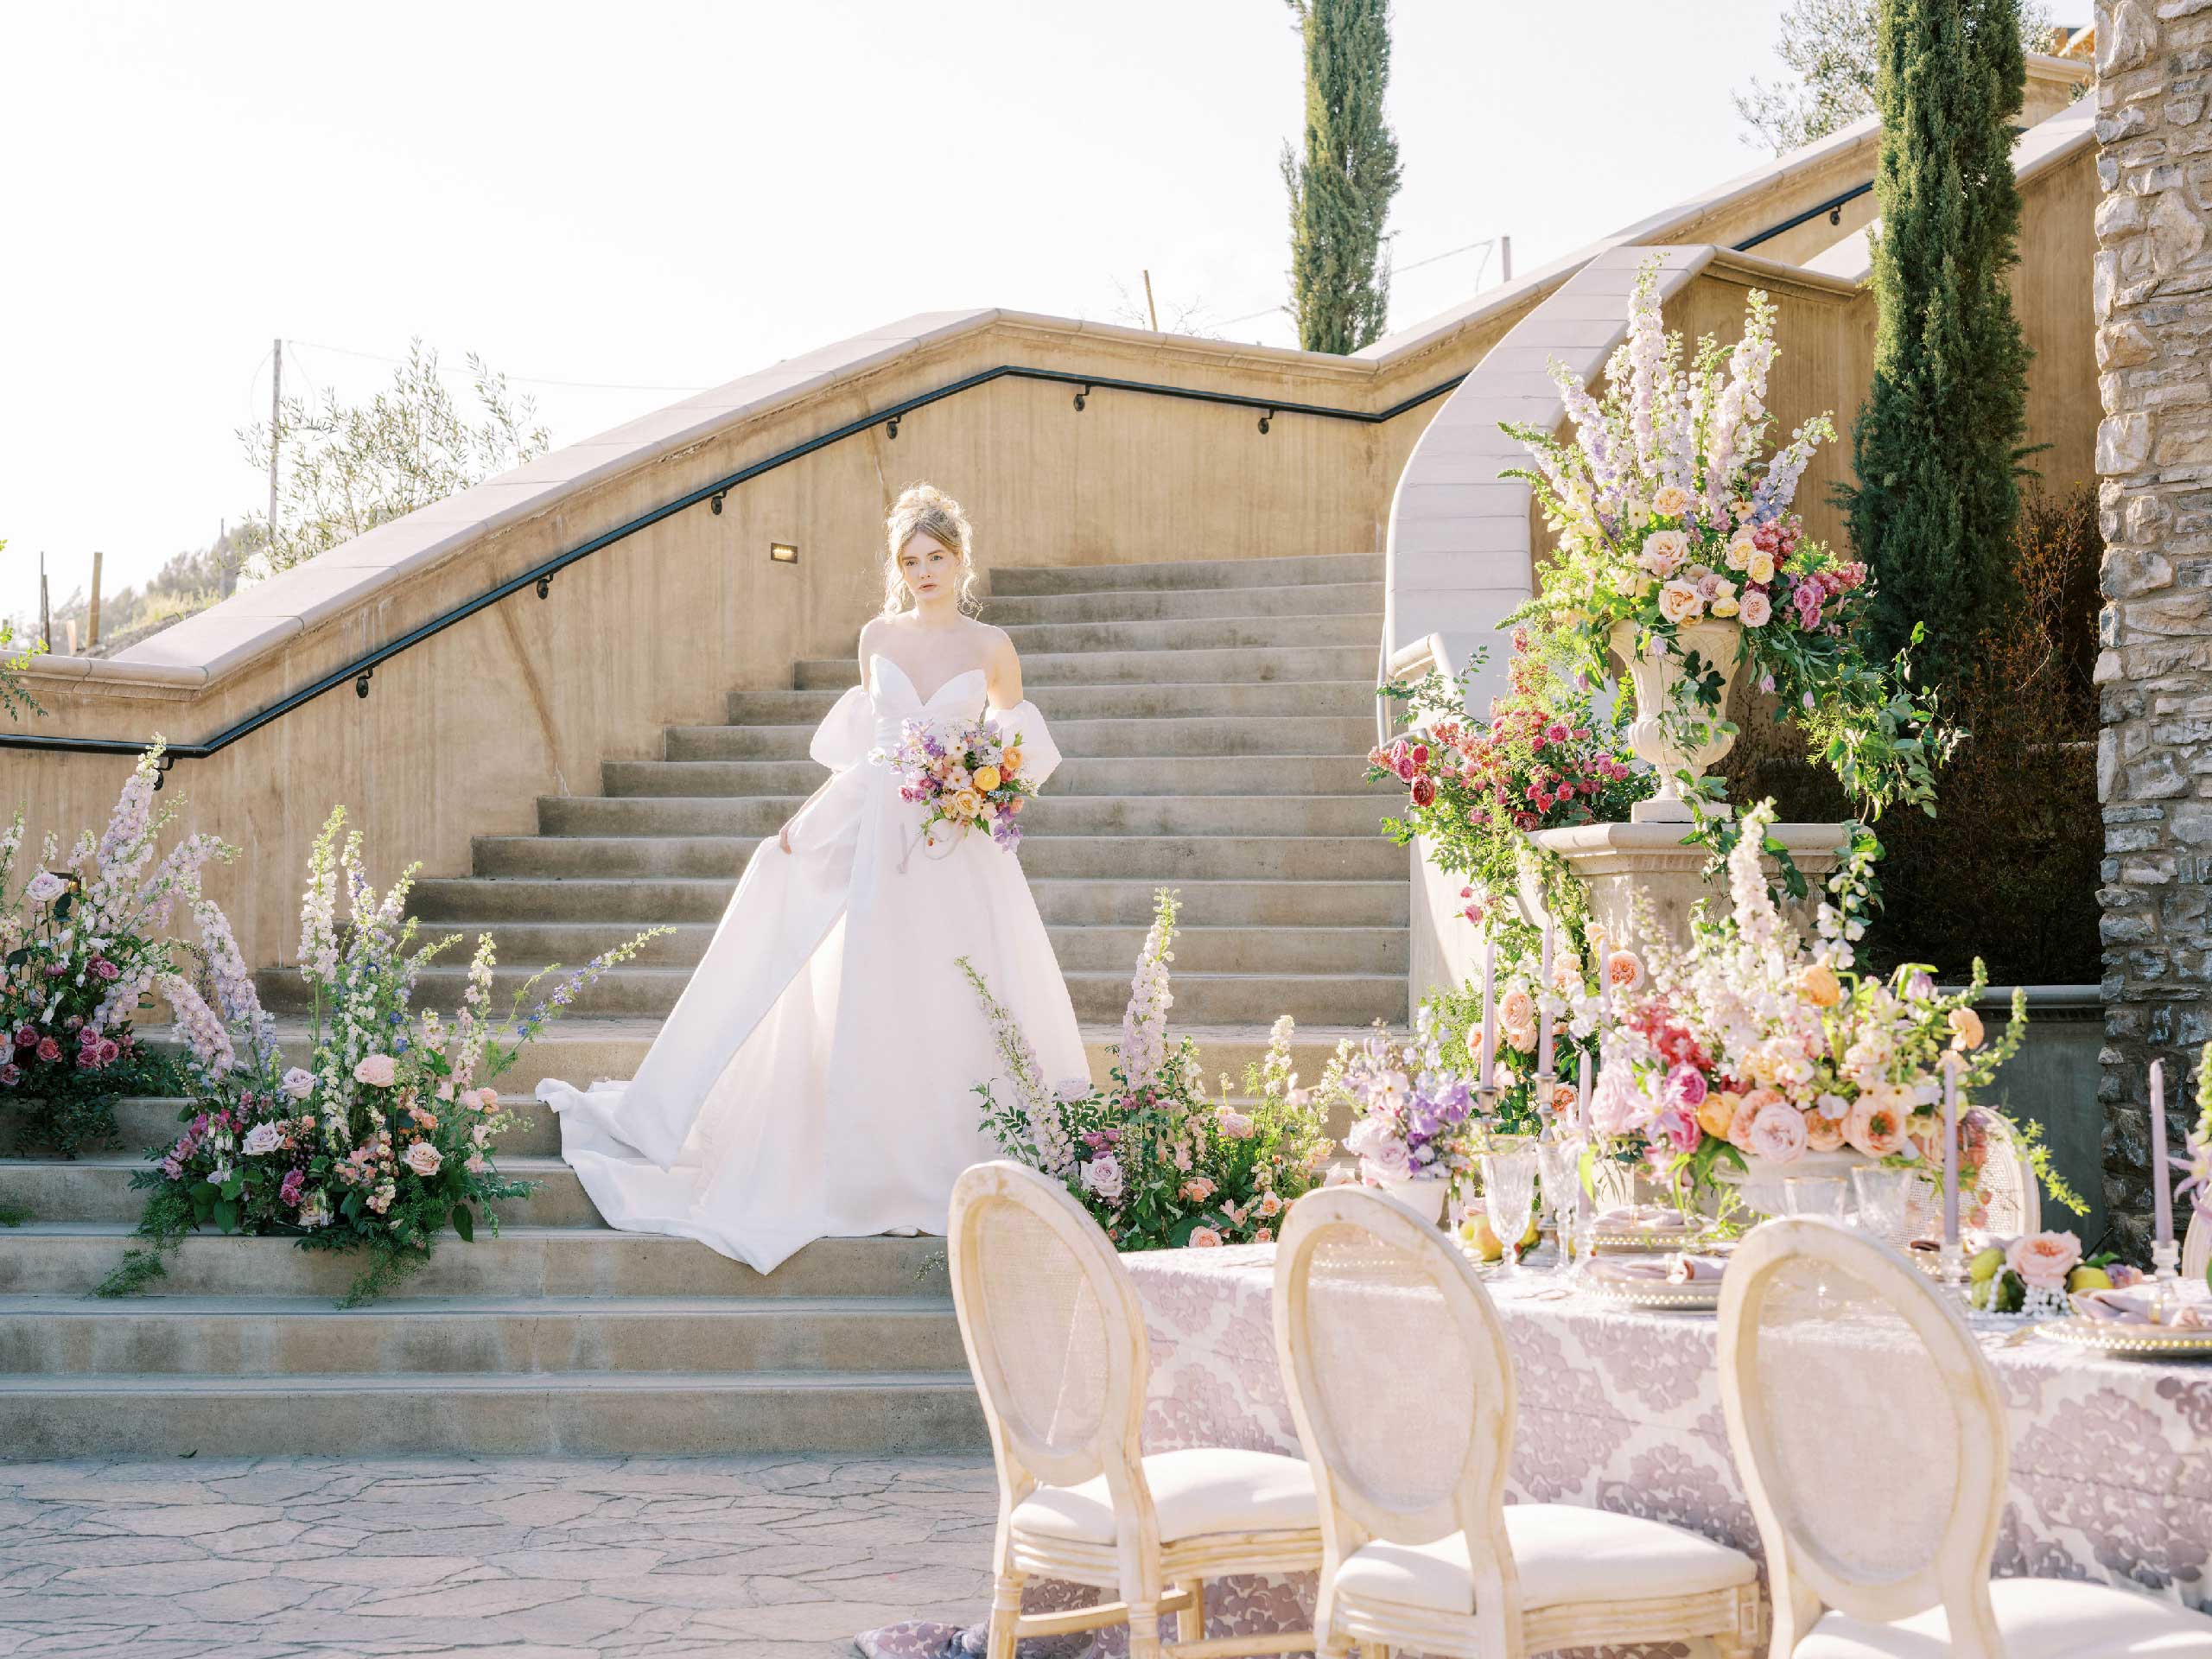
2197, 1245
1054, 1333
1402, 1389
1869, 1429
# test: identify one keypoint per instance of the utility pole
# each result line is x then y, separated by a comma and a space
45, 608
1504, 258
1148, 305
275, 412
93, 620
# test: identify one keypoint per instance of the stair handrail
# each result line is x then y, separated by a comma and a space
360, 670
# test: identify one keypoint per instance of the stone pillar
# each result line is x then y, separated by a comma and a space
2153, 288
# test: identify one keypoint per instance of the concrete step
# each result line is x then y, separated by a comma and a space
1165, 860
97, 1188
1352, 697
250, 1335
69, 1258
1211, 632
1098, 994
476, 1413
1150, 604
1293, 949
472, 903
1007, 580
1211, 814
1210, 774
1304, 734
1212, 663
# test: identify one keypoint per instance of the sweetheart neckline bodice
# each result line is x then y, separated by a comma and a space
883, 662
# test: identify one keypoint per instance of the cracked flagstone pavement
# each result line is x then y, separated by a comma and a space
533, 1558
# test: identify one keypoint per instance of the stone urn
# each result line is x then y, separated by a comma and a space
1655, 673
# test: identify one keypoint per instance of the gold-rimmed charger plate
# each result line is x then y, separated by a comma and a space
2138, 1341
1643, 1242
1700, 1296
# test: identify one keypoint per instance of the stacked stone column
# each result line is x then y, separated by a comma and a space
2153, 300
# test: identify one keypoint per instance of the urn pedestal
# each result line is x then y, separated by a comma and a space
1615, 860
1717, 645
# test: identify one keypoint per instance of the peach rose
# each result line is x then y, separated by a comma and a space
1965, 1028
1819, 986
1517, 1007
1877, 1125
1564, 1097
1741, 552
423, 1157
1747, 1111
2044, 1260
1823, 1133
378, 1071
1678, 602
1475, 1043
1198, 1190
966, 803
1010, 762
1268, 1207
1717, 1112
1671, 502
1624, 970
1205, 1239
1756, 608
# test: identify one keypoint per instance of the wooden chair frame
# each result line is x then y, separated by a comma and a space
2197, 1244
1499, 1627
1807, 1579
1152, 1578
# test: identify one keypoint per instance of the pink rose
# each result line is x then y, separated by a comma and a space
1677, 1130
423, 1158
1664, 551
2044, 1260
1198, 1190
378, 1071
1678, 602
1755, 609
1777, 1133
1686, 1087
1205, 1239
1235, 1125
49, 1049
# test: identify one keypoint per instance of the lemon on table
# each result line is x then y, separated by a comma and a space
1985, 1264
1477, 1230
2088, 1278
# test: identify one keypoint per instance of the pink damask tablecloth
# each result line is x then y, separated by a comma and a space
1620, 1409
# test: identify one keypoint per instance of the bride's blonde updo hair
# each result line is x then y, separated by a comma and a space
925, 509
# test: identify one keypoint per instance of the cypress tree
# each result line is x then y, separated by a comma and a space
1340, 189
1937, 445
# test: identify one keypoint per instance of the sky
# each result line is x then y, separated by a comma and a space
620, 206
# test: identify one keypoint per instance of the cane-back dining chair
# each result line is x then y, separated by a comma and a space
1870, 1432
1056, 1339
2197, 1245
1401, 1388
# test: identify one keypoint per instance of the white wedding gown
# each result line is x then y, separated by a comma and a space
816, 1076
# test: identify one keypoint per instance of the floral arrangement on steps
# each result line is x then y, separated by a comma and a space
1757, 1049
1678, 553
83, 944
1159, 1165
383, 1139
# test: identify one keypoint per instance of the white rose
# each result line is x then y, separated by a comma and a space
423, 1158
299, 1084
45, 887
260, 1138
1678, 602
1102, 1178
1664, 551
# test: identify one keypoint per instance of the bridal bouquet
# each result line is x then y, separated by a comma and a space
385, 1139
1148, 1155
84, 943
1758, 1044
967, 776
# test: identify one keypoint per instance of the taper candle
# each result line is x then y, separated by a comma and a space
1490, 1013
2162, 1173
1950, 1151
1543, 1015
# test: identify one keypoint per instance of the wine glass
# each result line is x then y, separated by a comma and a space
1559, 1169
1508, 1199
1885, 1201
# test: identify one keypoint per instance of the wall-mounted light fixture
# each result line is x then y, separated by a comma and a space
782, 553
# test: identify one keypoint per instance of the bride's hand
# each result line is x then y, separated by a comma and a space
783, 837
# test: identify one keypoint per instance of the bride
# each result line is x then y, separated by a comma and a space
816, 1076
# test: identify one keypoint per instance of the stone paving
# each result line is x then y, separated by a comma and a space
533, 1558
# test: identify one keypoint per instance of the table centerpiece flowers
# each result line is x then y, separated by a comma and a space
1757, 1051
1678, 554
385, 1139
1413, 1106
1154, 1161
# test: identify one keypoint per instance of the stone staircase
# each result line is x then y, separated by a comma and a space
1213, 715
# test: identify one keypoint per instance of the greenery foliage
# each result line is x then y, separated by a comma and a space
1937, 446
1341, 185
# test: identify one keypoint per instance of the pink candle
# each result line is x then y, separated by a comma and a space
1582, 1127
1950, 1150
1490, 1013
2162, 1196
1543, 1019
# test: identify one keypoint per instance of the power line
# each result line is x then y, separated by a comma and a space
1489, 242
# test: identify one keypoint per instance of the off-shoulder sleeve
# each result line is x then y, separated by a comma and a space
846, 734
1022, 724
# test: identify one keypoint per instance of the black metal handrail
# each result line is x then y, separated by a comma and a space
1833, 207
360, 669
